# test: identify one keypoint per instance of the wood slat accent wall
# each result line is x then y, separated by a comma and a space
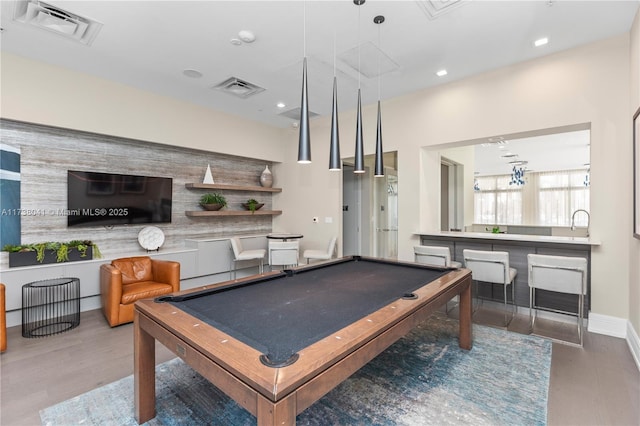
48, 152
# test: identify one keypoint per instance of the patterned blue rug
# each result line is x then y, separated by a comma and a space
423, 379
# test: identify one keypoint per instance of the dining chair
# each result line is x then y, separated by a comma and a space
240, 254
283, 253
320, 254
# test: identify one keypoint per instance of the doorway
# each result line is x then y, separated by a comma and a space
370, 209
386, 215
350, 211
451, 195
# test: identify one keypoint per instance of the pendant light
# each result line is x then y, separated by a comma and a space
334, 151
379, 164
359, 160
304, 140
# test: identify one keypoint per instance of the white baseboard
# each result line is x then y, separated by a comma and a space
634, 343
607, 325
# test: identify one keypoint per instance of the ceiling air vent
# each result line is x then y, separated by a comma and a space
52, 18
435, 8
240, 88
295, 114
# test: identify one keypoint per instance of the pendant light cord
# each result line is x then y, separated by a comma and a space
379, 54
359, 47
334, 50
304, 29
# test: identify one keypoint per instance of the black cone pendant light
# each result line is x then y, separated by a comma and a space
304, 140
334, 148
359, 161
334, 151
379, 164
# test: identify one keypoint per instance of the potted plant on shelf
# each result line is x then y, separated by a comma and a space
252, 205
51, 252
213, 201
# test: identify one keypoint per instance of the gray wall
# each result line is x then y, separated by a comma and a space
47, 153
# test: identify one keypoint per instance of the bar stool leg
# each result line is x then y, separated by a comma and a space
507, 322
580, 318
474, 297
532, 317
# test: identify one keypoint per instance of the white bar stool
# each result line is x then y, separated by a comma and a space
493, 267
561, 274
437, 256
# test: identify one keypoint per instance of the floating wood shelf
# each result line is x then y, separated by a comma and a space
204, 213
230, 187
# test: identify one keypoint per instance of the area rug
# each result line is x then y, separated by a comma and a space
423, 379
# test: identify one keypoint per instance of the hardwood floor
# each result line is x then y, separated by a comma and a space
595, 385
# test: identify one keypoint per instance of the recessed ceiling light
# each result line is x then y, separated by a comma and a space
441, 73
281, 105
235, 41
541, 42
192, 73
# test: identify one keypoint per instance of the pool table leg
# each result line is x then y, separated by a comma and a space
144, 361
465, 337
280, 413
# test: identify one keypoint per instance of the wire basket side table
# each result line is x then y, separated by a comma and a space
50, 306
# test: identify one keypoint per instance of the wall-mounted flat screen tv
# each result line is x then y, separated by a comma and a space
97, 198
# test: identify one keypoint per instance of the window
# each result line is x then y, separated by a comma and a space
560, 194
497, 202
547, 198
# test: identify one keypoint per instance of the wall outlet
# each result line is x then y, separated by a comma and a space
315, 219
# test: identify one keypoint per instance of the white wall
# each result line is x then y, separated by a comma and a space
309, 190
589, 84
45, 94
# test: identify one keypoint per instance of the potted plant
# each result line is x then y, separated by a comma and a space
51, 252
213, 201
252, 205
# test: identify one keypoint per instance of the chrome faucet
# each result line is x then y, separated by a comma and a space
573, 217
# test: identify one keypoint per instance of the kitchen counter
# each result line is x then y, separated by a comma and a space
513, 237
519, 246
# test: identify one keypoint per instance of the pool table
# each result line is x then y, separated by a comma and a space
277, 342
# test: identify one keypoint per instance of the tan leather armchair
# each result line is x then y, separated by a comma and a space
133, 278
3, 320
